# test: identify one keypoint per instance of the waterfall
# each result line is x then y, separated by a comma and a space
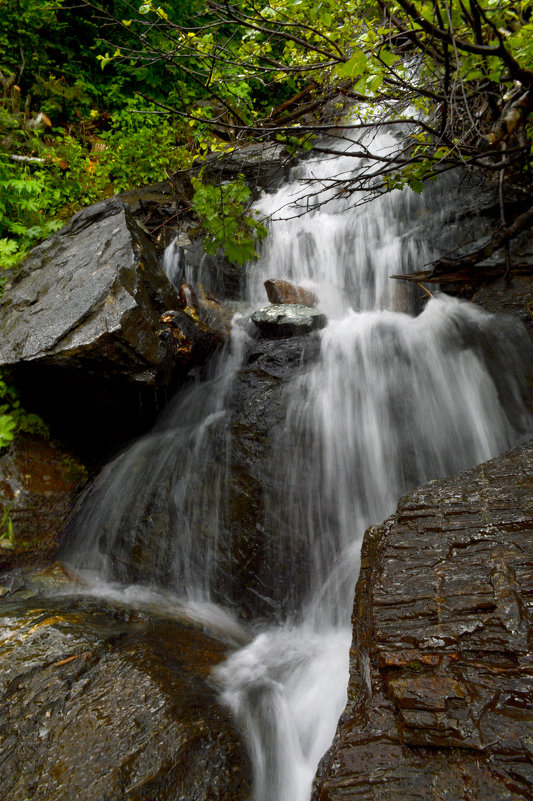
397, 396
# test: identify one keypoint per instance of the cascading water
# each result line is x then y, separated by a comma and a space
392, 401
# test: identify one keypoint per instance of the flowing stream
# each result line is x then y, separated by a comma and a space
398, 395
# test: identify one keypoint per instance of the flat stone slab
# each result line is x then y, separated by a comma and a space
288, 320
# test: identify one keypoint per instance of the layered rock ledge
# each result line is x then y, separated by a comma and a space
440, 700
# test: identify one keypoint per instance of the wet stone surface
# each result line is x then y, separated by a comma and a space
98, 702
288, 319
279, 291
241, 536
514, 298
441, 690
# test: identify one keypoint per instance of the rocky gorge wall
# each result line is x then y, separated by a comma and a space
441, 668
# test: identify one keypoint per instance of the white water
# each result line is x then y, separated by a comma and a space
393, 401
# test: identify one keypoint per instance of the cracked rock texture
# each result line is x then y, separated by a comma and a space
288, 319
440, 701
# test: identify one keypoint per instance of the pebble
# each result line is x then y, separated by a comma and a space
6, 545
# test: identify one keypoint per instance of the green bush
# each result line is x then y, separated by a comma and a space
13, 418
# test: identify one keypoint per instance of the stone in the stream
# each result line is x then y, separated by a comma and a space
288, 319
279, 291
99, 702
12, 581
440, 701
198, 328
81, 322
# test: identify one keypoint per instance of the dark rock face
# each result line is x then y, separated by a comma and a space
192, 340
288, 319
442, 674
38, 481
80, 324
229, 515
471, 217
197, 329
266, 567
101, 703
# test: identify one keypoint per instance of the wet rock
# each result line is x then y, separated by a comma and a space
287, 320
38, 482
279, 291
441, 672
260, 574
472, 217
221, 509
89, 298
81, 320
98, 702
196, 330
514, 298
187, 296
193, 341
12, 582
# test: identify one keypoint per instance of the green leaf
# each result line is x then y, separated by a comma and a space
7, 426
354, 66
387, 57
416, 184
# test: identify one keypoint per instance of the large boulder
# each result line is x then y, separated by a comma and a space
441, 686
89, 298
202, 504
101, 702
80, 321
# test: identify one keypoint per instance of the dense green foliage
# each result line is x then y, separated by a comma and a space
464, 67
70, 133
98, 98
221, 208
